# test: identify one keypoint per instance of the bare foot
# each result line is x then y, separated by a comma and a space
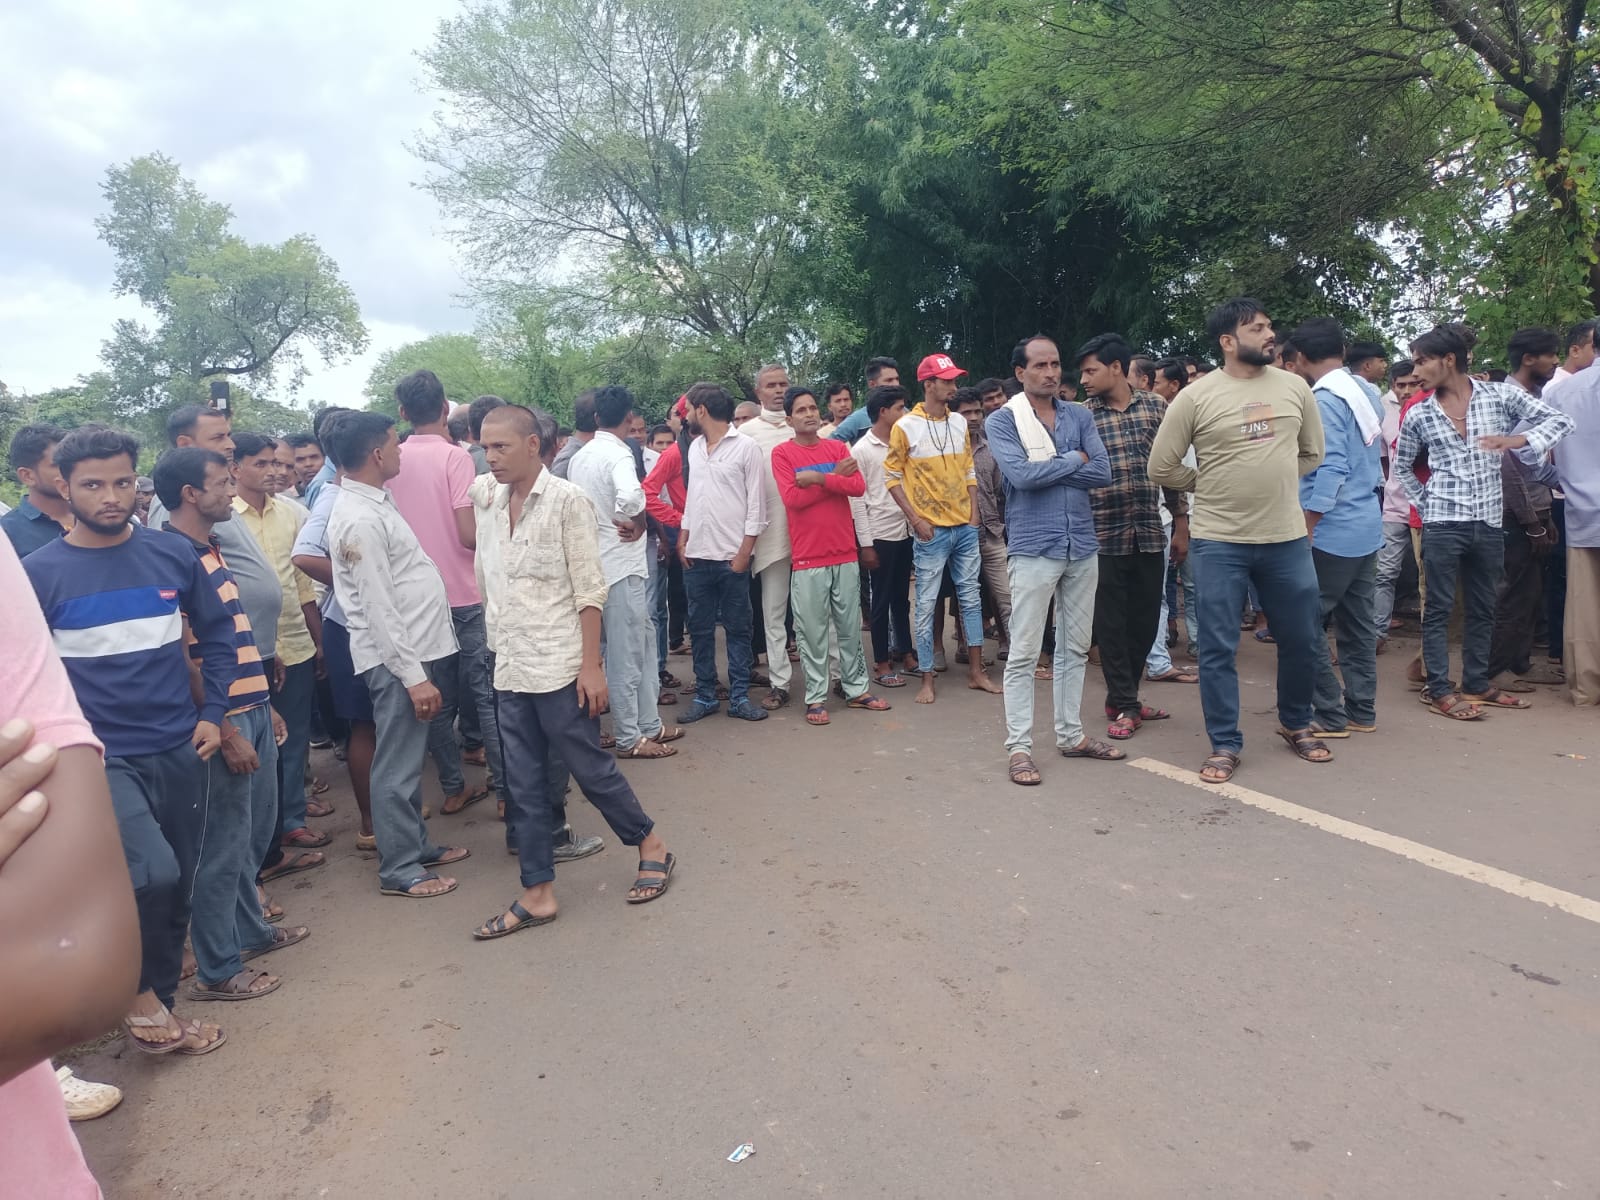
925, 693
978, 681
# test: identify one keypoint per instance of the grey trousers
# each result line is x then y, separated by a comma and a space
630, 651
1349, 588
226, 916
403, 842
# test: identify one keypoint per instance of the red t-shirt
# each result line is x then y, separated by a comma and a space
822, 532
666, 474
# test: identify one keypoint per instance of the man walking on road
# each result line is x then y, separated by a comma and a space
548, 678
1255, 431
1049, 456
1127, 517
1342, 501
930, 475
401, 635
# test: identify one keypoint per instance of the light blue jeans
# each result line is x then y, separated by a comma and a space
629, 654
958, 546
1391, 561
1035, 582
1159, 661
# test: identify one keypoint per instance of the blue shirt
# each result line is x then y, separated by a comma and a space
324, 475
1047, 503
852, 427
1347, 489
116, 618
28, 528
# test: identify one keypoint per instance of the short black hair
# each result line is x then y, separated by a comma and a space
877, 366
478, 410
1534, 340
657, 430
421, 397
1019, 352
793, 393
526, 420
458, 427
833, 389
321, 417
1144, 365
964, 396
1583, 333
97, 442
31, 443
1011, 386
583, 411
181, 422
990, 385
1224, 320
1445, 341
887, 396
718, 404
612, 404
248, 445
1106, 348
1173, 370
1320, 339
1286, 349
181, 467
1359, 352
351, 440
300, 441
1399, 367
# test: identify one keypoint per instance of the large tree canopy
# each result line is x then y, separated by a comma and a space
223, 307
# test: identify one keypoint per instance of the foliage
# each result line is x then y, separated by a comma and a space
222, 307
467, 368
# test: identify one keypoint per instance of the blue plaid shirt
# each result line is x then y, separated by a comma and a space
1464, 481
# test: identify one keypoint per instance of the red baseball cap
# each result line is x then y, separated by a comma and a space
938, 366
682, 406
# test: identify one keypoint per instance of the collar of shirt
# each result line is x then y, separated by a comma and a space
366, 491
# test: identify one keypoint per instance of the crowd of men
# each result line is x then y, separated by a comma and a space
482, 590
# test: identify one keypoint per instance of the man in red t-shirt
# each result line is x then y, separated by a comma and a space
816, 478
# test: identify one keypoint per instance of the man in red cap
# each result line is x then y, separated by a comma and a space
930, 475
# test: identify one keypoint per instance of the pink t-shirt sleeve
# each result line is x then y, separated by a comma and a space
458, 475
37, 687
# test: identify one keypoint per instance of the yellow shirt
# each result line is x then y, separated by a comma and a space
931, 460
275, 528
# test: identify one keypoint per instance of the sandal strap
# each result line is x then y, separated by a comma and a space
646, 865
517, 911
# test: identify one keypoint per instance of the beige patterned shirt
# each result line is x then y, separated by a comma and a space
536, 580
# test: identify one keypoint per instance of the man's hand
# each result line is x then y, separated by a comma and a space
592, 691
1496, 442
923, 529
1311, 523
239, 754
425, 700
869, 558
1542, 538
322, 664
808, 479
846, 466
1180, 542
207, 739
740, 563
280, 731
24, 765
279, 674
627, 531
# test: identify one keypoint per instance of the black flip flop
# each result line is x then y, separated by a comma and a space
498, 928
659, 884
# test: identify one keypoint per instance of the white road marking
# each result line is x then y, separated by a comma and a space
1439, 860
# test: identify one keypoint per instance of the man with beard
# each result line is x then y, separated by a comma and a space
840, 401
1255, 430
117, 597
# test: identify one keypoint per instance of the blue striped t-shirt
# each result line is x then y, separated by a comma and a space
116, 617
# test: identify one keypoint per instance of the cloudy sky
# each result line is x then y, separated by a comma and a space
297, 114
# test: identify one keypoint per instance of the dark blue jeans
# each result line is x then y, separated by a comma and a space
717, 596
1282, 575
1473, 554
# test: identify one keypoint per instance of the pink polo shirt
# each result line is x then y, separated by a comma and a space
41, 1155
434, 477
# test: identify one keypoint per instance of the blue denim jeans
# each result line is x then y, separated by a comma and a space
226, 916
1348, 692
294, 706
1470, 554
462, 685
957, 546
717, 596
1285, 581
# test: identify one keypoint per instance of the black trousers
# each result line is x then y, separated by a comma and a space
1127, 609
891, 601
1517, 605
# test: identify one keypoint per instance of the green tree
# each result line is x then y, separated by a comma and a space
467, 368
222, 307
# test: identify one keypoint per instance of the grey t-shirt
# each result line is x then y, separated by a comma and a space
259, 590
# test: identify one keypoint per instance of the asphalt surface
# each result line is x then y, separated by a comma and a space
897, 974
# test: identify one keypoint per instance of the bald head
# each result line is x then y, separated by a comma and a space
521, 419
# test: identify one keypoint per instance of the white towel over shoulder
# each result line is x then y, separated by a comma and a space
1036, 439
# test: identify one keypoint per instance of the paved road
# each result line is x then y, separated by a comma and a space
899, 975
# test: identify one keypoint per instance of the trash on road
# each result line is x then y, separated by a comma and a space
1579, 757
740, 1153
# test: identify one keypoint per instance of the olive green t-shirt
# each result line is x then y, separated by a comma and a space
1253, 439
